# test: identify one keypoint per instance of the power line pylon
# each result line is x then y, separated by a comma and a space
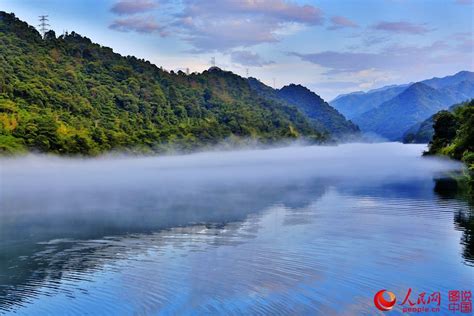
43, 24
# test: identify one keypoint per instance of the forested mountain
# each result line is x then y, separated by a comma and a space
312, 105
415, 104
422, 133
357, 103
392, 118
67, 95
448, 81
354, 104
391, 111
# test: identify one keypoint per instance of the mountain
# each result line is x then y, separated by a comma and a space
422, 132
376, 111
68, 95
448, 81
312, 105
393, 118
354, 104
317, 109
463, 90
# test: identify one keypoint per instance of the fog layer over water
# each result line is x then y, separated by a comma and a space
289, 229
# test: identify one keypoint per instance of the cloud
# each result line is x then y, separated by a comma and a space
279, 10
464, 41
464, 2
339, 62
227, 24
139, 24
126, 7
247, 58
391, 58
401, 27
339, 22
224, 34
221, 25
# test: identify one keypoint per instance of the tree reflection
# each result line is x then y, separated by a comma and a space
455, 188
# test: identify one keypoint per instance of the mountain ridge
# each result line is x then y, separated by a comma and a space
408, 106
68, 95
393, 118
311, 104
358, 102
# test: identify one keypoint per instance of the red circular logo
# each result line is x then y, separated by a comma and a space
381, 303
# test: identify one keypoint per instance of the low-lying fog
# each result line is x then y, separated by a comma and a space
45, 183
290, 215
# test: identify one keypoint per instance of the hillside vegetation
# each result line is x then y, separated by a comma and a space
454, 136
324, 116
67, 95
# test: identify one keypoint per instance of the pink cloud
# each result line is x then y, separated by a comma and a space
137, 24
401, 27
125, 7
465, 2
226, 24
339, 22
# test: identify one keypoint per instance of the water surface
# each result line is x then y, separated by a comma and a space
298, 230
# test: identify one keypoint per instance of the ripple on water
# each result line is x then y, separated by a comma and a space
300, 233
283, 260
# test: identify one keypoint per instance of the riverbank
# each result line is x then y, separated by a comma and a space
454, 137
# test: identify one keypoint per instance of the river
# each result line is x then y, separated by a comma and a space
293, 230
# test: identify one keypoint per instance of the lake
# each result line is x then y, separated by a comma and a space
293, 230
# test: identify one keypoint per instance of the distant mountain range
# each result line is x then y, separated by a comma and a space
391, 111
323, 115
356, 103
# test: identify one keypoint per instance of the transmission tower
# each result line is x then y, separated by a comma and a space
213, 61
43, 24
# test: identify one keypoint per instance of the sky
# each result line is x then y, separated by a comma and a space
332, 47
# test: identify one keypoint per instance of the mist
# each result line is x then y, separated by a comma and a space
64, 215
42, 184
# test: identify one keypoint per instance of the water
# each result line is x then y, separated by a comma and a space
299, 230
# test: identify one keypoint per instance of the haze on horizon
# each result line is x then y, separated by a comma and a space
332, 48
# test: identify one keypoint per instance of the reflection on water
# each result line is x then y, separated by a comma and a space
453, 188
300, 230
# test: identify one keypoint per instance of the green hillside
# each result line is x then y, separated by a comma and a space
324, 116
454, 136
454, 133
67, 95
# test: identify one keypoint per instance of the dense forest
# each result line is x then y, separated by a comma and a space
321, 114
68, 95
454, 136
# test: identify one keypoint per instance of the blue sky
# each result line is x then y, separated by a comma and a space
332, 47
